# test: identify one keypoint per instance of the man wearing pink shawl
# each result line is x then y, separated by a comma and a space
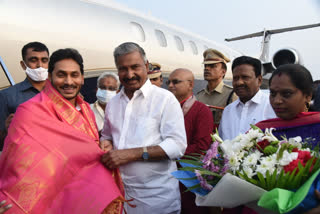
51, 157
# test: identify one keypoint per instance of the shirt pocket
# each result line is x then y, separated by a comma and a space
147, 131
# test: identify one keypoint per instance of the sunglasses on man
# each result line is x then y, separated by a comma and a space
175, 81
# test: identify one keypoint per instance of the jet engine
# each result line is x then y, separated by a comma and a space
286, 56
281, 57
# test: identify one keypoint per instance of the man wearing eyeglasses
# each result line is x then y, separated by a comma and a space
198, 121
216, 93
155, 74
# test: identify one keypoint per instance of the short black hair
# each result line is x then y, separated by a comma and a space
35, 46
300, 77
67, 53
256, 64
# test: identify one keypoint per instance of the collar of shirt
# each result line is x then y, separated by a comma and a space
183, 101
25, 85
78, 107
144, 90
257, 98
217, 89
99, 108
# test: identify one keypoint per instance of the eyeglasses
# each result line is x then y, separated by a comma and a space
175, 81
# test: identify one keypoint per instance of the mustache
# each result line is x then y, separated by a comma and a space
240, 86
130, 79
66, 86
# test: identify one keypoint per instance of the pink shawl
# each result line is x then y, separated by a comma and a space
51, 160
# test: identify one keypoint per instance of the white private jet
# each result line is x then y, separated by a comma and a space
95, 28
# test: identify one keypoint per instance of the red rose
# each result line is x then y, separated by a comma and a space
291, 166
304, 156
295, 149
262, 144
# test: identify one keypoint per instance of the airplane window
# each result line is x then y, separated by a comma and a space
138, 31
161, 38
179, 43
193, 47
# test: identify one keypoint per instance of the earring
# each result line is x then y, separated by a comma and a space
306, 108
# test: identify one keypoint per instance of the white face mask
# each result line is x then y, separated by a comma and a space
105, 96
37, 74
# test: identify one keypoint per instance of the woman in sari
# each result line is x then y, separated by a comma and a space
290, 93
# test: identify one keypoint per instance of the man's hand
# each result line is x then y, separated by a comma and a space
115, 158
8, 121
3, 207
106, 145
317, 209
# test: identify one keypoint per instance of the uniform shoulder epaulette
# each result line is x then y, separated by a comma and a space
200, 91
228, 86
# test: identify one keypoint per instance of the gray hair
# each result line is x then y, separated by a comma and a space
106, 75
128, 47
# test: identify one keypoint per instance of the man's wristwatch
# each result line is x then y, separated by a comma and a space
145, 154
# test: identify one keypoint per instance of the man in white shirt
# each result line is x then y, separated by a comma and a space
107, 86
252, 106
144, 124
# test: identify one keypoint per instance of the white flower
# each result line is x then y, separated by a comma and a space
234, 163
253, 134
248, 171
269, 136
295, 141
262, 168
246, 142
241, 154
226, 147
230, 148
288, 157
252, 159
217, 138
237, 147
238, 138
270, 161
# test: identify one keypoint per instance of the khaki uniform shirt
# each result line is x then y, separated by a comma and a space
217, 97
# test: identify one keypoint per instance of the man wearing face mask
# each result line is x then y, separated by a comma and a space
35, 58
107, 84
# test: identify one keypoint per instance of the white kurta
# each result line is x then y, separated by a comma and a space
237, 116
98, 114
152, 117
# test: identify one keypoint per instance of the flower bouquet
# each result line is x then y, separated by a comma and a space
254, 169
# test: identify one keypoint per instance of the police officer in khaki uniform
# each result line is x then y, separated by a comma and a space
216, 93
155, 74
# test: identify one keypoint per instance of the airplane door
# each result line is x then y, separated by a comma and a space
6, 79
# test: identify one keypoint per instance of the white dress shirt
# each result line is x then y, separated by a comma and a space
98, 114
152, 117
237, 116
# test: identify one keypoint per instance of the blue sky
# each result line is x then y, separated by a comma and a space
217, 20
